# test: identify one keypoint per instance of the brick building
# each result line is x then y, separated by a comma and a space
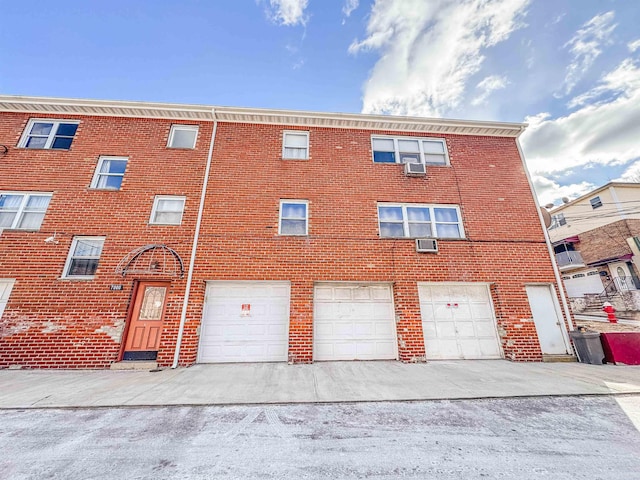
181, 234
596, 239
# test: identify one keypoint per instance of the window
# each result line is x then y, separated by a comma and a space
430, 151
294, 217
411, 220
56, 134
23, 211
596, 202
109, 173
183, 136
295, 145
84, 255
557, 221
167, 210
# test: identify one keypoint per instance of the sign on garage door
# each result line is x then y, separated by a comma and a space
245, 322
354, 322
458, 321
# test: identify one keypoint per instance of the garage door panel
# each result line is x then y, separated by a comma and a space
228, 334
465, 330
356, 321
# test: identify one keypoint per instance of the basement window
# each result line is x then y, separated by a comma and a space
49, 134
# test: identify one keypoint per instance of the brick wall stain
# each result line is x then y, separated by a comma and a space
51, 322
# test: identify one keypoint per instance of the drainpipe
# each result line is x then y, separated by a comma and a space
196, 235
556, 271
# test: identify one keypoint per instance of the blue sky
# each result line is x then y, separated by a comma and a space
570, 68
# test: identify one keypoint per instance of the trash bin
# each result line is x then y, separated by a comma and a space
588, 347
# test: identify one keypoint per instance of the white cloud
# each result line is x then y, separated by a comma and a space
287, 12
429, 50
586, 45
603, 132
487, 86
549, 191
633, 46
631, 174
349, 7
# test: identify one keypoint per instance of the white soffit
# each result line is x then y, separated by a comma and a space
62, 106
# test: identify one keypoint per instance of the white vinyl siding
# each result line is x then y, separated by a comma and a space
24, 211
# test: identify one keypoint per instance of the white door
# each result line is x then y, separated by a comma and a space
458, 321
245, 322
354, 322
6, 285
580, 283
547, 318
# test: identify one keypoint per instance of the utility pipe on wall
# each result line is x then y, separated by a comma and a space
196, 235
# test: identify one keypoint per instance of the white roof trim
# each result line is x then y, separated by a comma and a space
65, 106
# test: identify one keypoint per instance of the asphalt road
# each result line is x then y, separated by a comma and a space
519, 438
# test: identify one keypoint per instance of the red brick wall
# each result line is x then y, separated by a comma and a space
62, 323
51, 322
239, 239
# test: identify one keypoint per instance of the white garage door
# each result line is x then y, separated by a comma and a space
6, 285
577, 284
458, 321
245, 322
354, 322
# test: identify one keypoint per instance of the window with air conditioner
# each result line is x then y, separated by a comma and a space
428, 151
412, 220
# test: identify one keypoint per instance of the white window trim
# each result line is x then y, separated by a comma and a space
67, 265
155, 208
295, 132
421, 146
174, 127
97, 174
20, 212
52, 135
431, 207
306, 219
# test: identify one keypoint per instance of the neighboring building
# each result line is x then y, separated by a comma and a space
305, 238
596, 239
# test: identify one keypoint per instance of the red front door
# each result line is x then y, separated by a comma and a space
145, 327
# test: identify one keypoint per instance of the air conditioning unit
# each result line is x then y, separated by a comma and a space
426, 245
415, 169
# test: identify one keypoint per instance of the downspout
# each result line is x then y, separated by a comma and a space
556, 271
196, 235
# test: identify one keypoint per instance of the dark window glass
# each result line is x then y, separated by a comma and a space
384, 157
62, 143
67, 129
83, 266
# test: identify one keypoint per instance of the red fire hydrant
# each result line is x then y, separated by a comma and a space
610, 311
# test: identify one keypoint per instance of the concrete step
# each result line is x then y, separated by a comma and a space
134, 365
559, 358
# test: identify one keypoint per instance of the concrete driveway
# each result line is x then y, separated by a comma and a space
269, 383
